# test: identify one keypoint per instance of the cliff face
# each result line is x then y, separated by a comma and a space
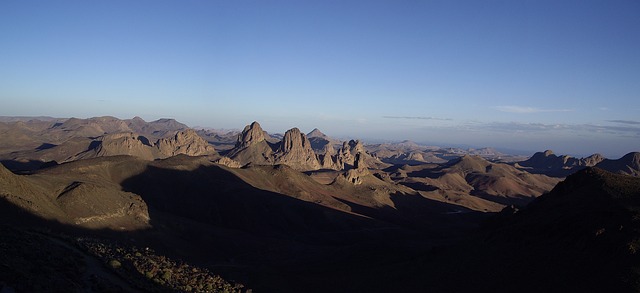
251, 135
251, 147
329, 159
295, 151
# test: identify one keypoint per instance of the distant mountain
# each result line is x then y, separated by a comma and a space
629, 164
558, 166
316, 133
29, 144
319, 141
158, 128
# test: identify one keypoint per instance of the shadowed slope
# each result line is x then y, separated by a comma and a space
629, 164
582, 236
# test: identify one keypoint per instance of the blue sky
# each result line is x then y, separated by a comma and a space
530, 75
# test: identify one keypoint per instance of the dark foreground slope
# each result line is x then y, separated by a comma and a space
271, 228
582, 236
275, 229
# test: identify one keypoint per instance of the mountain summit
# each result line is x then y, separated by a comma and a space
317, 133
295, 150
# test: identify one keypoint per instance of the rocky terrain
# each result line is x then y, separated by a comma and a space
152, 206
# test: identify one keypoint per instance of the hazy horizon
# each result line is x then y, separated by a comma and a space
530, 75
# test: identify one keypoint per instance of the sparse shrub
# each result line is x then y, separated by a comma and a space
166, 275
115, 264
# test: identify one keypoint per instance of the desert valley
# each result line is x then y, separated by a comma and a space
125, 205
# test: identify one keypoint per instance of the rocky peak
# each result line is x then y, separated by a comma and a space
329, 159
294, 140
251, 134
295, 151
186, 142
316, 133
593, 160
359, 170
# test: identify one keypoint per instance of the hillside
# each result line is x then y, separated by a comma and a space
582, 236
475, 183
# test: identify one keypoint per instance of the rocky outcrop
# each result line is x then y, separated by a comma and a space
348, 151
359, 170
185, 142
226, 161
251, 147
295, 151
125, 143
252, 134
329, 159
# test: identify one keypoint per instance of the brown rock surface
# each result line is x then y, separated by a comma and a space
295, 151
185, 142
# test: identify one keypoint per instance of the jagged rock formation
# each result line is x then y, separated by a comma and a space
348, 151
329, 159
629, 164
251, 135
559, 166
251, 147
127, 143
185, 142
295, 151
359, 170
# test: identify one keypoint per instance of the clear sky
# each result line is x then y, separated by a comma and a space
531, 75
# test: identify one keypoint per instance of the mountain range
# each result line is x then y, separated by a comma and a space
303, 212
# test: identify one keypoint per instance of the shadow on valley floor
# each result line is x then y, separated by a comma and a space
26, 167
515, 200
439, 220
269, 241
